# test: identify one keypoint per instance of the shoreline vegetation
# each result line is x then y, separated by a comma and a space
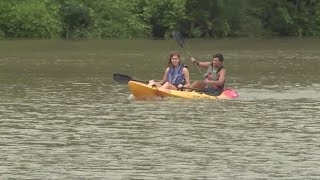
153, 19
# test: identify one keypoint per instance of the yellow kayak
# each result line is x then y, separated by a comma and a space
142, 90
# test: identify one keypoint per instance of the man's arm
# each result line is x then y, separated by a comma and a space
200, 64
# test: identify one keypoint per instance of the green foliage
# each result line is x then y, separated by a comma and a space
76, 19
30, 18
289, 18
307, 18
154, 18
163, 16
115, 18
277, 16
221, 18
315, 24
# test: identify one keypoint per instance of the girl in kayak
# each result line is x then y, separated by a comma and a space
176, 75
215, 76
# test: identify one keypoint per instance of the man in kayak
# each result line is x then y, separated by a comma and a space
176, 75
215, 76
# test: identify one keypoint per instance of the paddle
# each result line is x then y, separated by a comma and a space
177, 36
121, 78
208, 91
125, 79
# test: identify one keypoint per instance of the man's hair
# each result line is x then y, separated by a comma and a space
219, 56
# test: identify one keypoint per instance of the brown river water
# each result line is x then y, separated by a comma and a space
62, 116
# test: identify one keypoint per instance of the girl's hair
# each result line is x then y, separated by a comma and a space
173, 53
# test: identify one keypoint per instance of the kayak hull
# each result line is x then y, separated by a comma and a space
142, 90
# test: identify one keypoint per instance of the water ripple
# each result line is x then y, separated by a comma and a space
65, 118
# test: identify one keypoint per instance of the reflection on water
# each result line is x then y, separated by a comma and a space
67, 119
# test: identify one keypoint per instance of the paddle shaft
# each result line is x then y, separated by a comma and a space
121, 78
180, 41
194, 62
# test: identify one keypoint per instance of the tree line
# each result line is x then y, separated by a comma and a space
158, 18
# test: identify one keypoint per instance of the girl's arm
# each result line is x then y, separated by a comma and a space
164, 79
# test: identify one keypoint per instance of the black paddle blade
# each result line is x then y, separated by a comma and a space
177, 36
211, 91
121, 78
208, 91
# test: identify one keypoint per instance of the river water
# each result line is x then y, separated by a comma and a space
62, 116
